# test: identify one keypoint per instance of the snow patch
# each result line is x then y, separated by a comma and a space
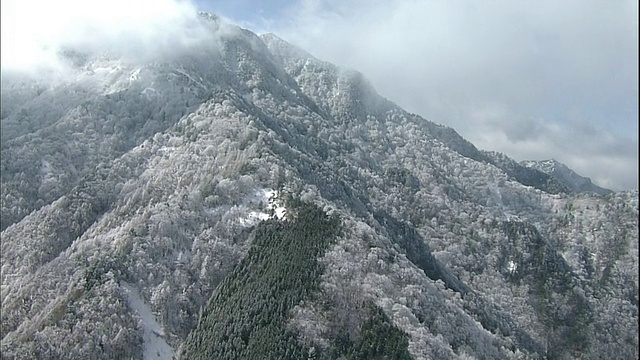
254, 218
268, 199
45, 169
105, 71
275, 204
134, 75
154, 344
511, 217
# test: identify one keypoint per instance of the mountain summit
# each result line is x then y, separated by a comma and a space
566, 176
241, 199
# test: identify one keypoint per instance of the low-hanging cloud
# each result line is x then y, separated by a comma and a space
534, 80
523, 78
35, 31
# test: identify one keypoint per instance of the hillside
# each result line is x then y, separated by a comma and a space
243, 199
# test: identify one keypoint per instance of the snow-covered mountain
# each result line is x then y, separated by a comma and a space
566, 176
243, 199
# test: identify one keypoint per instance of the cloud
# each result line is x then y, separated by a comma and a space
609, 159
524, 78
534, 80
34, 31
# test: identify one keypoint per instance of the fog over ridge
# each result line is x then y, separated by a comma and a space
550, 80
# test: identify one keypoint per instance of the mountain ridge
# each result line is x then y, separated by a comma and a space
566, 176
440, 245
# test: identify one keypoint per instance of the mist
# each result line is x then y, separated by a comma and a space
534, 80
34, 33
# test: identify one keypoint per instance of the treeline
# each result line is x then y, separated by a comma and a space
248, 313
246, 316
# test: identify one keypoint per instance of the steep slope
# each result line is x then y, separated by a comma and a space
566, 176
399, 238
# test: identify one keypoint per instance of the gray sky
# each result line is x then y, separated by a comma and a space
533, 79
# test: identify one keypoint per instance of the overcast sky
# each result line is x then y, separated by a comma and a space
532, 79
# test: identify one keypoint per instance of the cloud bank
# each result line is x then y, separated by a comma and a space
35, 31
535, 80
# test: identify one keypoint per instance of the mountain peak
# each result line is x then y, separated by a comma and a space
565, 175
209, 16
242, 199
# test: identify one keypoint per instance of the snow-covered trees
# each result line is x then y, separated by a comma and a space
159, 179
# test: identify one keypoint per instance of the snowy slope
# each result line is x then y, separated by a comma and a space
154, 344
132, 192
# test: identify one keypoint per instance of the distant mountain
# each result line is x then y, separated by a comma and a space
241, 199
565, 176
527, 175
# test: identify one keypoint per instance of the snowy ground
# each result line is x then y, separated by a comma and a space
274, 203
265, 196
155, 347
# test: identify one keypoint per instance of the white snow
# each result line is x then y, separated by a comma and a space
264, 196
134, 75
104, 71
155, 346
274, 203
45, 169
253, 218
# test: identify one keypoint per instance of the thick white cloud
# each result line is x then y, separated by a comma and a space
34, 31
535, 80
